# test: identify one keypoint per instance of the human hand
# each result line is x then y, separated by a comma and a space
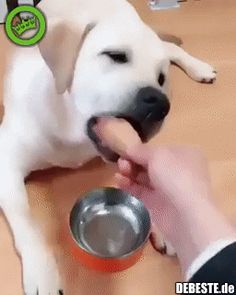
174, 184
169, 180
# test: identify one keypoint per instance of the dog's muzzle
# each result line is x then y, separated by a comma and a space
146, 115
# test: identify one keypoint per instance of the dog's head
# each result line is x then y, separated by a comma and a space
115, 68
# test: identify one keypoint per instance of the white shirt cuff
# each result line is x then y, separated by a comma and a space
206, 255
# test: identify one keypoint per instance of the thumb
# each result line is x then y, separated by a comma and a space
139, 154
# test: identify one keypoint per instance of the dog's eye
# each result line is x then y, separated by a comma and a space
119, 57
161, 79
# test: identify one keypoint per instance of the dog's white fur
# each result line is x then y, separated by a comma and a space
51, 92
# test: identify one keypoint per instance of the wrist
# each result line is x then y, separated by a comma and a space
198, 226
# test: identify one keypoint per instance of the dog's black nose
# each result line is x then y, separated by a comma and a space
152, 102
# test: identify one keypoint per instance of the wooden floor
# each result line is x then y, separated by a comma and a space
201, 114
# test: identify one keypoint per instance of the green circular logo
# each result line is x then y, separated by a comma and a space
16, 25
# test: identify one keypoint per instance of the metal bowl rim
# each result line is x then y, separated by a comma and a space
124, 256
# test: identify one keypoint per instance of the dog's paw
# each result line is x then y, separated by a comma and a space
201, 72
161, 245
40, 274
170, 251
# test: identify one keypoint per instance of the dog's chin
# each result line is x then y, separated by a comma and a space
107, 155
105, 152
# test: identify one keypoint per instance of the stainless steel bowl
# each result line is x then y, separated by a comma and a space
110, 223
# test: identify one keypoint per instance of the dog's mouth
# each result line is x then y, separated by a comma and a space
106, 153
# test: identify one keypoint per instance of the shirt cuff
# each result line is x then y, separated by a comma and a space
206, 255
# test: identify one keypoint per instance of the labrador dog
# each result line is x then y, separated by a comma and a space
98, 58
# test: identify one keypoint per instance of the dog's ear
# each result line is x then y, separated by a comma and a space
60, 48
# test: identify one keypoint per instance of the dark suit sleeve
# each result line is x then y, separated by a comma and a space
219, 269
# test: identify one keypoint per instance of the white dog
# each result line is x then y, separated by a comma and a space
98, 58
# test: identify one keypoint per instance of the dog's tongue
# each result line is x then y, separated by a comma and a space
117, 134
